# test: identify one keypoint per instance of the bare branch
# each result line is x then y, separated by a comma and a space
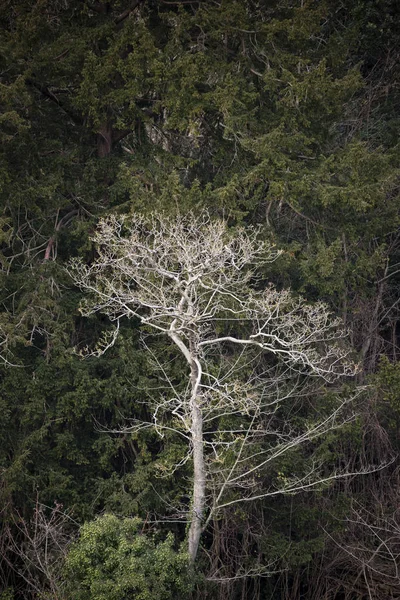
247, 351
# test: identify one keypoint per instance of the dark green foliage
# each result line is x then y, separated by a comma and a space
57, 417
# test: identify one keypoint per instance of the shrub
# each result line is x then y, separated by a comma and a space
114, 560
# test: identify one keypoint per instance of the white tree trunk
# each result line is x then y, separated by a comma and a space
199, 472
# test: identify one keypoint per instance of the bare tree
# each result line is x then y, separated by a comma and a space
247, 347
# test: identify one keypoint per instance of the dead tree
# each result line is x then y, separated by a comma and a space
246, 349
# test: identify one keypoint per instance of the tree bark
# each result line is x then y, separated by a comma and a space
199, 473
199, 469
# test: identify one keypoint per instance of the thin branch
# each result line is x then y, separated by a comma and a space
45, 91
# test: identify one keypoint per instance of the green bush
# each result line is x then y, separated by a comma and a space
114, 560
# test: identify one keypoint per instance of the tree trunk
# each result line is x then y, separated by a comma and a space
199, 476
104, 140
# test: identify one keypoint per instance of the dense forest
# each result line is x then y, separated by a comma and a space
200, 312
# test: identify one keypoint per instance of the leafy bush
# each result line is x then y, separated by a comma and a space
114, 560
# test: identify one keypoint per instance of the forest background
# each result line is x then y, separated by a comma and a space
283, 115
